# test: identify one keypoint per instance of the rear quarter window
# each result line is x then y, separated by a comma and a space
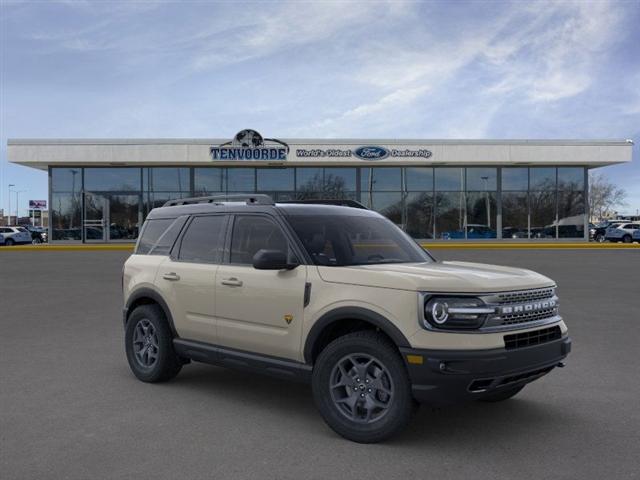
159, 235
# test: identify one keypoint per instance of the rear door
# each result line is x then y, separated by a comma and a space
259, 311
187, 277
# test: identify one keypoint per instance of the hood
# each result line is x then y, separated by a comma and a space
454, 277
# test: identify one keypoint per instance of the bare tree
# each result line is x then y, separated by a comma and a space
604, 196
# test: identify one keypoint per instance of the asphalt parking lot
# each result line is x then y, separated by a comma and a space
70, 408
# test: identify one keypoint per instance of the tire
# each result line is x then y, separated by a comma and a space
355, 408
149, 345
599, 238
502, 395
626, 239
36, 241
9, 242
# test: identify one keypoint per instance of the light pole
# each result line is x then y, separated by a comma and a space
18, 192
9, 210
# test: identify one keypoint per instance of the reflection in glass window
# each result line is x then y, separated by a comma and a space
420, 215
542, 178
112, 179
241, 180
66, 216
515, 179
166, 179
158, 199
340, 179
543, 214
66, 179
207, 181
309, 179
388, 204
449, 179
482, 179
381, 179
275, 179
481, 215
571, 211
570, 178
419, 179
515, 213
449, 208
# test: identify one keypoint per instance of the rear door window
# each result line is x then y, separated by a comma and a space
203, 241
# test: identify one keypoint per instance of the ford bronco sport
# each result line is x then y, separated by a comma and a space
336, 296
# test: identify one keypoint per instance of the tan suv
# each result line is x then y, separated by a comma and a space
336, 296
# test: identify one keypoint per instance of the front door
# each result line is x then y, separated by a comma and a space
111, 217
259, 310
96, 210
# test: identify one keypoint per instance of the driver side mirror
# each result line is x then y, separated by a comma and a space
272, 260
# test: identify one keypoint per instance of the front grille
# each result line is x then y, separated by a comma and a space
538, 295
525, 296
535, 337
516, 318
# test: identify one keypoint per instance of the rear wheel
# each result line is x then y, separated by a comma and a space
149, 345
502, 395
626, 239
361, 387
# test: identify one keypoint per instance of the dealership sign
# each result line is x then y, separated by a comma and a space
366, 152
38, 204
250, 145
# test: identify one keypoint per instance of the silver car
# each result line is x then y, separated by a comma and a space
622, 232
14, 235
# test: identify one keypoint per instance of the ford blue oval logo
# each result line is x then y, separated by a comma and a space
371, 153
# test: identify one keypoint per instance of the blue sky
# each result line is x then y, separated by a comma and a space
322, 69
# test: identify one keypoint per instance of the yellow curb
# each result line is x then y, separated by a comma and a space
49, 248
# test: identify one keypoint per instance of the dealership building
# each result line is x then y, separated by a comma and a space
101, 190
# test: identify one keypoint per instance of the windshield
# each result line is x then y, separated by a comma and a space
343, 240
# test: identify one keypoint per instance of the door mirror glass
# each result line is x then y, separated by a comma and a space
272, 260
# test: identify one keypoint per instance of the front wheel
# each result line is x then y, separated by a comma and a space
36, 241
599, 238
149, 345
361, 387
9, 242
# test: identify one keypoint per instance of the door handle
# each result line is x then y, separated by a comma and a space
231, 282
173, 276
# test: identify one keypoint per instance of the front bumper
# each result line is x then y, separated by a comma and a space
448, 376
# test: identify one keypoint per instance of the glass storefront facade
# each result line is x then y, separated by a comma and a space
449, 203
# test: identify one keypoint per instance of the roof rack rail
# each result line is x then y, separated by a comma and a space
257, 199
341, 202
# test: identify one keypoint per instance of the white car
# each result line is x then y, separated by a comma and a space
636, 236
15, 235
622, 233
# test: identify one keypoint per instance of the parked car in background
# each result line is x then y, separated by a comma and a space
15, 235
599, 231
38, 234
514, 232
622, 232
473, 231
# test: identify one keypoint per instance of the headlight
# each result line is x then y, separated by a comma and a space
450, 313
